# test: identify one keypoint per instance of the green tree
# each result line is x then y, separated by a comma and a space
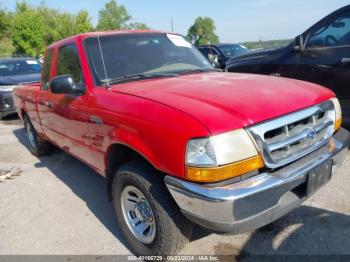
83, 22
202, 32
6, 22
6, 47
22, 7
3, 22
28, 32
113, 17
52, 20
32, 28
138, 26
65, 26
60, 25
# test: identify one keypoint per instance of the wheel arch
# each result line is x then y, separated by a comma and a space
117, 155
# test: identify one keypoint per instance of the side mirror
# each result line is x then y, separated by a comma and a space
65, 84
299, 43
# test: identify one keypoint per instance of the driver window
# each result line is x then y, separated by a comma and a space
335, 33
205, 51
68, 62
213, 51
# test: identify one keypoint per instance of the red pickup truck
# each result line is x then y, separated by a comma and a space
178, 141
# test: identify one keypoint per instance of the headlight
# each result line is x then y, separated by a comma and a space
221, 157
338, 114
6, 88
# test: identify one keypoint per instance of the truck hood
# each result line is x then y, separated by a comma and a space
228, 101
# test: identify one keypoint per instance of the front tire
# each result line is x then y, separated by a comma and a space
147, 215
37, 145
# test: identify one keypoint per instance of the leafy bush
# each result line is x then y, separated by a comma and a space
6, 47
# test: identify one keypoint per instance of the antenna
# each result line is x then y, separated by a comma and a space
172, 25
103, 60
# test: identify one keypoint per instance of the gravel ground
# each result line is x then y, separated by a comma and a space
59, 206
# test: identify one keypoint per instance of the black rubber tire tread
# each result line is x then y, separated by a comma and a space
42, 147
173, 230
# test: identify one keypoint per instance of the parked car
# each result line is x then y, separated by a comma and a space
13, 72
177, 141
219, 54
320, 55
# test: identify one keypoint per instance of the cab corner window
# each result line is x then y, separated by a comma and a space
68, 62
334, 33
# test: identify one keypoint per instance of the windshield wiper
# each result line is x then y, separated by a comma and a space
200, 70
133, 77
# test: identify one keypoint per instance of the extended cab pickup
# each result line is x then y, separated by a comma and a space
179, 141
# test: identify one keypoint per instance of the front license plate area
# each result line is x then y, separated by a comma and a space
318, 177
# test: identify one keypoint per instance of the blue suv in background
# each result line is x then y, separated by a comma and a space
14, 72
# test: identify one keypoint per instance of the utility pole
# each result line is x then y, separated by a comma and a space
172, 25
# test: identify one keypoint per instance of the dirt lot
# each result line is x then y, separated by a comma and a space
59, 206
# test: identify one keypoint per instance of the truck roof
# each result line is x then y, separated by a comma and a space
104, 33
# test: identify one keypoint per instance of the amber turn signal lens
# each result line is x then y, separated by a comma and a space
215, 174
338, 124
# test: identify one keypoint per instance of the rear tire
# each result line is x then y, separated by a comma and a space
37, 145
139, 184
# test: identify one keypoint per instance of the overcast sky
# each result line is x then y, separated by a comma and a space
236, 20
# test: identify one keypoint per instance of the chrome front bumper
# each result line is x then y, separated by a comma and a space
252, 203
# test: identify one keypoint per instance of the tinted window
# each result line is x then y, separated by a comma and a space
205, 51
233, 50
45, 77
128, 54
68, 62
334, 33
214, 51
19, 67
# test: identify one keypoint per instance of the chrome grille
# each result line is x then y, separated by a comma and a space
288, 138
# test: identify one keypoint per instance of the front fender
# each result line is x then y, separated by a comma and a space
130, 139
155, 131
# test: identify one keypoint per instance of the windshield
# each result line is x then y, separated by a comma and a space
19, 67
142, 54
233, 50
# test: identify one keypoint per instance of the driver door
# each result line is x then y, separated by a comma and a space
68, 121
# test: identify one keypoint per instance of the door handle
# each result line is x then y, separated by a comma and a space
49, 104
345, 60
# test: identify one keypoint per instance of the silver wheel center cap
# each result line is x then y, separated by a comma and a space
142, 211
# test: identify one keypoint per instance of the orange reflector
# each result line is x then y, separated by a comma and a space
338, 124
214, 174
